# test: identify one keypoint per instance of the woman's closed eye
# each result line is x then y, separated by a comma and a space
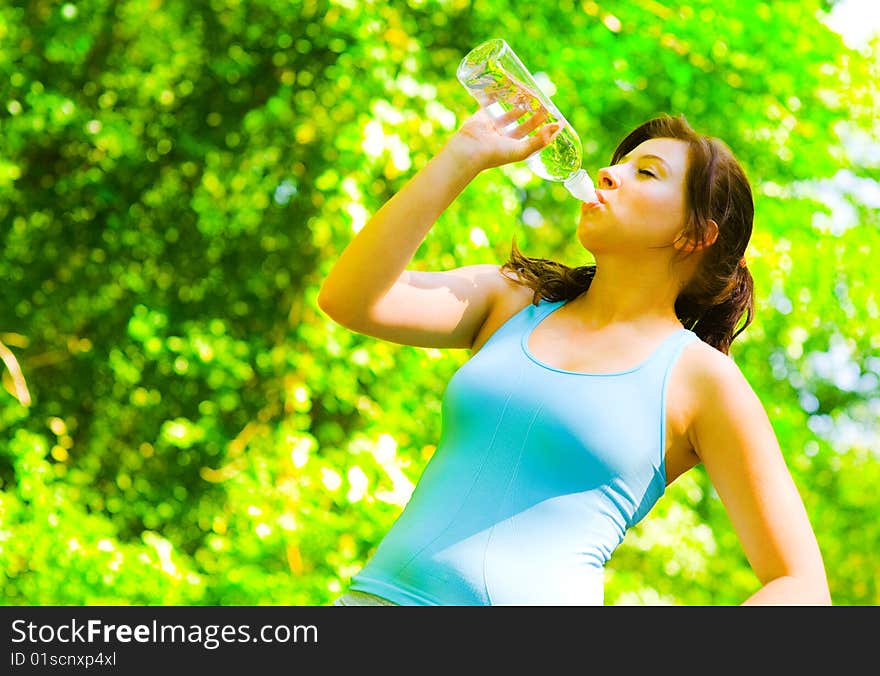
647, 173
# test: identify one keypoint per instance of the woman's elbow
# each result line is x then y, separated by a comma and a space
819, 590
812, 589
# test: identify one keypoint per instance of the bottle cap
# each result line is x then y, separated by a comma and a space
580, 185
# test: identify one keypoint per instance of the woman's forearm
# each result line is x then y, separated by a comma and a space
377, 256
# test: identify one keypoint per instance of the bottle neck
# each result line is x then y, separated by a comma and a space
580, 185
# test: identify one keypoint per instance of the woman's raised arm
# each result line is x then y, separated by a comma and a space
369, 290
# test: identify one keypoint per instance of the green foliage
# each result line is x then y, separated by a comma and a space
177, 178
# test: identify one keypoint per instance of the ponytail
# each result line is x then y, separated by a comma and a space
715, 320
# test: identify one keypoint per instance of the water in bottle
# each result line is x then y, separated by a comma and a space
498, 80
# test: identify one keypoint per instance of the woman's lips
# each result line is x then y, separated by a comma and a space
599, 201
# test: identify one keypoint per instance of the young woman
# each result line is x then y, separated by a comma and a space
588, 390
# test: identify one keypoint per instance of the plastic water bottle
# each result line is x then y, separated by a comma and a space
498, 80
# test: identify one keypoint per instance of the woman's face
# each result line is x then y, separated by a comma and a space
641, 200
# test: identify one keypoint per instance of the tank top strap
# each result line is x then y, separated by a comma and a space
522, 321
666, 354
537, 312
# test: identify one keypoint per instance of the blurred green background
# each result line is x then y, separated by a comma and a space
178, 177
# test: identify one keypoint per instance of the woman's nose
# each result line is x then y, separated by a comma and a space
606, 179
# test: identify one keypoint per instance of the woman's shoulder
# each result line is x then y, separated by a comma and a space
511, 296
512, 288
708, 373
702, 379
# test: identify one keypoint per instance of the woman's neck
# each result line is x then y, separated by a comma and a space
627, 292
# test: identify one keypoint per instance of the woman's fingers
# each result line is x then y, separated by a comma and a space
517, 112
543, 137
527, 127
511, 115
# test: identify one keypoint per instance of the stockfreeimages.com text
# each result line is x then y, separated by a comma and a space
209, 636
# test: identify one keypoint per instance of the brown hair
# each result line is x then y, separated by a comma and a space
721, 290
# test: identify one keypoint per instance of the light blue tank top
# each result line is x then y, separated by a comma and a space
537, 476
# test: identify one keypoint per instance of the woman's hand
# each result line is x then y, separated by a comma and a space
485, 143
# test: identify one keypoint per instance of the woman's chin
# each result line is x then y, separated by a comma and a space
586, 232
585, 240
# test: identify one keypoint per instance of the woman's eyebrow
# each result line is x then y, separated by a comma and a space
642, 157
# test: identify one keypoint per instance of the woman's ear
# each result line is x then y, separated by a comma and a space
686, 244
